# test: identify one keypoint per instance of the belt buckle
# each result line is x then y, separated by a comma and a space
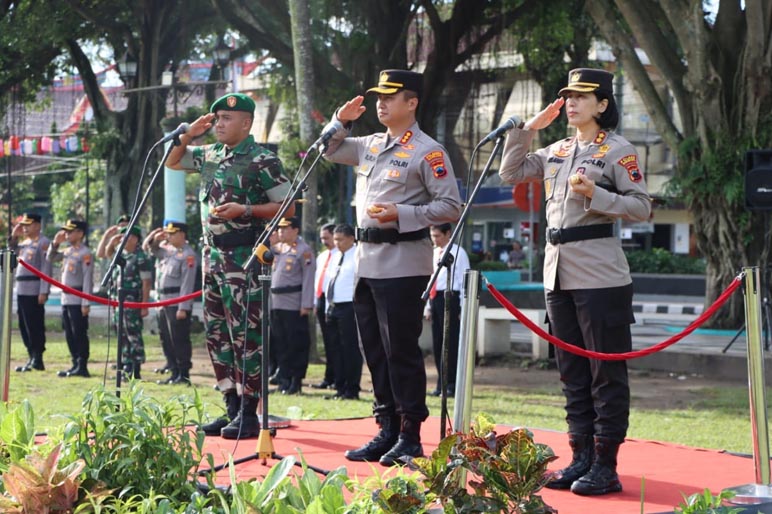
553, 235
373, 235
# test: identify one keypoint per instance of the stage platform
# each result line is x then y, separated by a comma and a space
669, 470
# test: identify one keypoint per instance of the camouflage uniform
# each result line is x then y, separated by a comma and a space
251, 175
138, 267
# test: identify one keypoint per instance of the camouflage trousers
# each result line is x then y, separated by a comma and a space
236, 359
131, 344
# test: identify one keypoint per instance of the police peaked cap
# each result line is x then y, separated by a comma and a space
588, 80
173, 227
234, 102
70, 225
393, 81
29, 218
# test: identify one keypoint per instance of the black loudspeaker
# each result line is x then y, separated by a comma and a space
758, 180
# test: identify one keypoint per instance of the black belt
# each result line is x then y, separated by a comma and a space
287, 289
389, 235
235, 239
27, 279
169, 290
556, 236
77, 288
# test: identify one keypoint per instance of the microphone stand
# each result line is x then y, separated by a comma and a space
447, 260
262, 253
120, 263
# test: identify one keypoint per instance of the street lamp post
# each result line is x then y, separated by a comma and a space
127, 67
222, 55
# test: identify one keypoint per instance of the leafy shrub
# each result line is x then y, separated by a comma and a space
659, 260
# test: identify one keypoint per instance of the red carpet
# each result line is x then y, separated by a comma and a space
669, 469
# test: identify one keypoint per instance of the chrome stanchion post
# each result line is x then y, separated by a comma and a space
7, 264
759, 492
462, 409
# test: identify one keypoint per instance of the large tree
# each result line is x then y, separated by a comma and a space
717, 72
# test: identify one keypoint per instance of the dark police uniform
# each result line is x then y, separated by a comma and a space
292, 289
394, 259
586, 277
251, 175
177, 277
28, 288
77, 273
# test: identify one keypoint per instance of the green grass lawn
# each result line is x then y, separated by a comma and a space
717, 419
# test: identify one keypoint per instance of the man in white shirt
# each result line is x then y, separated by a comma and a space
435, 307
341, 321
323, 265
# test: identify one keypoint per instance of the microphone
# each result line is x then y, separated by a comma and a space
182, 129
505, 127
329, 130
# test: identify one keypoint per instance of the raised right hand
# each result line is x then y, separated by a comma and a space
59, 238
201, 125
351, 110
546, 116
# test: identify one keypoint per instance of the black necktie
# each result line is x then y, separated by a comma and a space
330, 294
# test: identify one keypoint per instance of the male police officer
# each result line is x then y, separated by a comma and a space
177, 276
292, 299
242, 184
31, 292
404, 184
77, 273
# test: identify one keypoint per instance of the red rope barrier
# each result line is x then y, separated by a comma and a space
615, 356
105, 301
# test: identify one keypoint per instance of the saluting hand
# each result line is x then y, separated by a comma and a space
546, 116
201, 125
17, 231
59, 238
351, 110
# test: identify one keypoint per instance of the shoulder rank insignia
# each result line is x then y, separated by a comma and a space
602, 135
405, 139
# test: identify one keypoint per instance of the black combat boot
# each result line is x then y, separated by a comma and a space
231, 411
81, 369
37, 362
582, 449
26, 366
171, 379
66, 373
408, 444
183, 377
380, 444
295, 386
602, 477
246, 424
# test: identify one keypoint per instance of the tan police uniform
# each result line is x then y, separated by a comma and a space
394, 262
292, 289
587, 282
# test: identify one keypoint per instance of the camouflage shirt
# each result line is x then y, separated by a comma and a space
247, 174
138, 268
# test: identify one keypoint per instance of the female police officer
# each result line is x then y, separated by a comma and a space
590, 180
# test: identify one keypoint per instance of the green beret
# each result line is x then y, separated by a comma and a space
134, 230
234, 102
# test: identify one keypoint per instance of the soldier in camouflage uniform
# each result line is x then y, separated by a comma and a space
242, 184
137, 280
31, 292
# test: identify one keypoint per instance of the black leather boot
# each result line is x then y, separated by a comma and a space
231, 411
602, 477
295, 386
246, 424
81, 369
383, 441
183, 377
170, 380
582, 449
408, 444
66, 373
37, 362
26, 366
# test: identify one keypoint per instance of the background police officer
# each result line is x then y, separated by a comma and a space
31, 292
292, 300
404, 184
242, 184
321, 276
77, 273
177, 276
590, 180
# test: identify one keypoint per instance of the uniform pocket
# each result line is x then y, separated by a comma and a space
549, 188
